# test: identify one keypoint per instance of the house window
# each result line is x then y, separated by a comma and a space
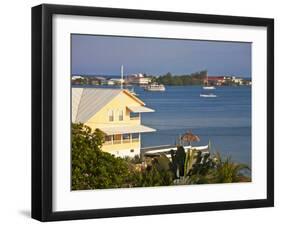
111, 115
126, 138
134, 116
117, 139
120, 115
108, 140
135, 137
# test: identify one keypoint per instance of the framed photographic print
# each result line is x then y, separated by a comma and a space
145, 112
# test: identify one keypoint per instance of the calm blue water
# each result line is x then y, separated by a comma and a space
225, 120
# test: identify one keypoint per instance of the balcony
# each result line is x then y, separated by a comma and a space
117, 141
135, 118
129, 139
134, 140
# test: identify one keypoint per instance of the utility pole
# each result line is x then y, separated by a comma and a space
122, 71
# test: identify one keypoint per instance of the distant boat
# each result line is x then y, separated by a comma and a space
209, 87
207, 84
155, 87
208, 95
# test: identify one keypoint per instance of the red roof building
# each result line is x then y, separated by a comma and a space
215, 80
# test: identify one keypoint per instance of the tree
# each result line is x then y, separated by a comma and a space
227, 171
91, 167
202, 168
157, 173
94, 169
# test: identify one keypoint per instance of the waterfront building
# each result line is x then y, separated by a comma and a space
117, 113
236, 80
215, 80
138, 79
77, 79
115, 81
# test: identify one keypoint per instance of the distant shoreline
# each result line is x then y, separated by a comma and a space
198, 78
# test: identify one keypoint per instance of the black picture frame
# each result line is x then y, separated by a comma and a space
42, 106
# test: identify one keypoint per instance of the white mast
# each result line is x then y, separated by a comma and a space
122, 68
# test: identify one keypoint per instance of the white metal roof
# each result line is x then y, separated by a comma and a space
76, 97
86, 102
139, 109
124, 129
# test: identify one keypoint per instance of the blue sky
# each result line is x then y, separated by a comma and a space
105, 54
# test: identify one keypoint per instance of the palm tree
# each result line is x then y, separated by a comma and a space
227, 171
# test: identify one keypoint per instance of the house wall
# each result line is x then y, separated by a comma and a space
120, 102
101, 119
122, 150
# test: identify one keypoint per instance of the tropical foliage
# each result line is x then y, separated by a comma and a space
202, 168
227, 171
95, 169
92, 168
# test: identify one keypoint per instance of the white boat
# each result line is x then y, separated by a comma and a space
207, 84
209, 87
208, 95
165, 149
155, 87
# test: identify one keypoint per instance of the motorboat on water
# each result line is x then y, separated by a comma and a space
155, 87
208, 95
208, 87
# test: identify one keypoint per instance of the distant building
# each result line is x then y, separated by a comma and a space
237, 81
226, 80
77, 80
75, 77
215, 80
115, 81
247, 82
88, 79
138, 79
110, 83
95, 80
101, 80
116, 112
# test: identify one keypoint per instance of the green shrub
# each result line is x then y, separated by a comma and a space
91, 167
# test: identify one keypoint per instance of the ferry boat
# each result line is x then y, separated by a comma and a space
209, 87
155, 87
208, 95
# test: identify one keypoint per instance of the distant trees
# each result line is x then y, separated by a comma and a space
179, 80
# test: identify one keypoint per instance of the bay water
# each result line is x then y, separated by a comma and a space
224, 120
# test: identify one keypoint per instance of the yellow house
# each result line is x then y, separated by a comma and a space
116, 112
